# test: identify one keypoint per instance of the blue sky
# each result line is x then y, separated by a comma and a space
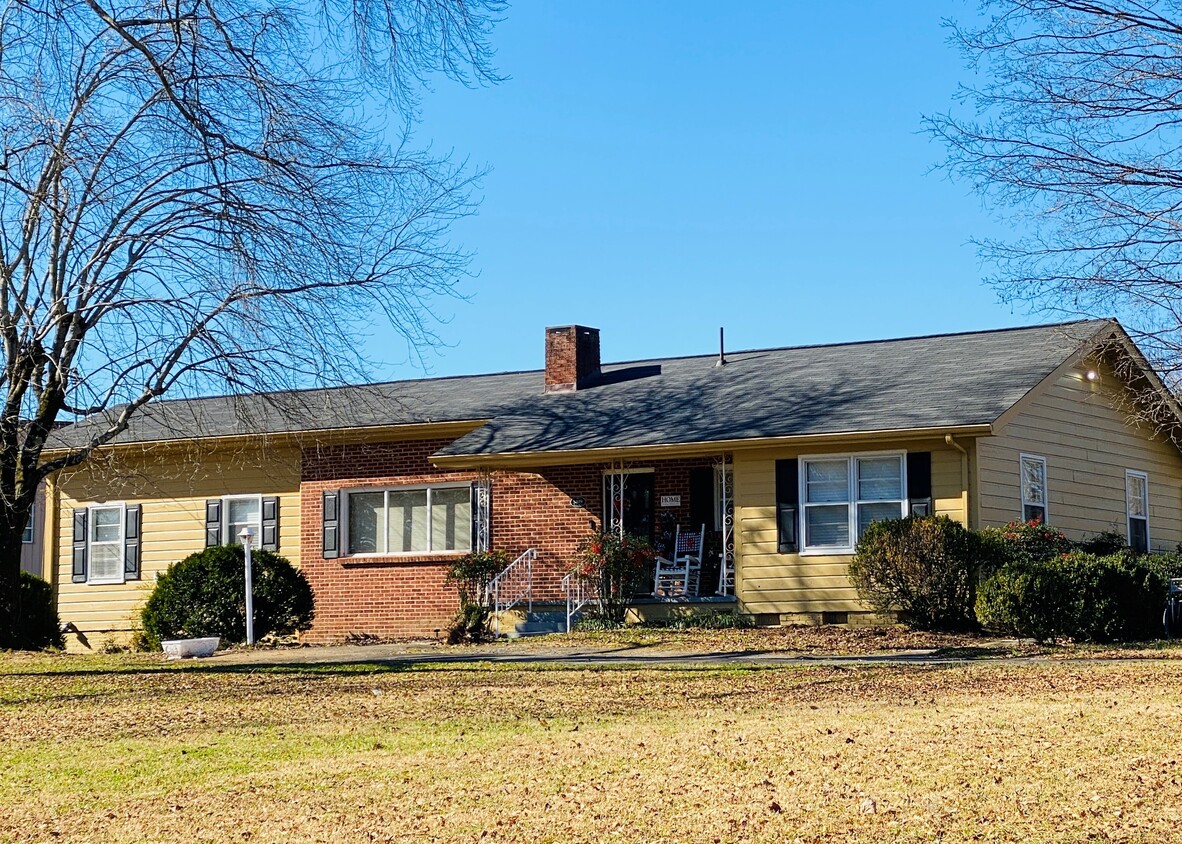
661, 169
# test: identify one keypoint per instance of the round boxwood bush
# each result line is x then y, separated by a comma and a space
923, 566
37, 626
205, 595
1025, 599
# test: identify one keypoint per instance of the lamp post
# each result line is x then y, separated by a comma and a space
247, 537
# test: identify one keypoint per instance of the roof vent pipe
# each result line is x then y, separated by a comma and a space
721, 349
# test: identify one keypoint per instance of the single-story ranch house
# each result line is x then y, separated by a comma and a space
784, 455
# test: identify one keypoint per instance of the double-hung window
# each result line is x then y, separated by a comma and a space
1034, 487
242, 511
1137, 509
105, 543
842, 496
419, 520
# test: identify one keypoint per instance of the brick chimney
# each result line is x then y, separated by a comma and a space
572, 358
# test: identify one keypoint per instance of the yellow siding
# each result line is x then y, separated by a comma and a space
172, 486
769, 582
1088, 444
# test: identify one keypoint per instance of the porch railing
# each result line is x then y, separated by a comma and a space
579, 592
512, 587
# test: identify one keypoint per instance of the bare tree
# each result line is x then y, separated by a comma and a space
192, 196
1074, 133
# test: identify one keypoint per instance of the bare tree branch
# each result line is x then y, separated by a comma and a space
190, 201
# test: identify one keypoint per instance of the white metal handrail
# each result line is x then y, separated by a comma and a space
512, 587
579, 593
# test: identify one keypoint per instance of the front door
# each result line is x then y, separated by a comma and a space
637, 500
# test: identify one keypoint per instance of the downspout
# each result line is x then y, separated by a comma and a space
964, 476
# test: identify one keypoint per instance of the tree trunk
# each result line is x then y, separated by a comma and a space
12, 626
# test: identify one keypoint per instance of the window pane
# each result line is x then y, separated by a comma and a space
1033, 481
880, 479
868, 513
451, 519
1136, 496
408, 521
242, 511
827, 480
365, 519
105, 524
1033, 512
106, 561
1139, 535
827, 526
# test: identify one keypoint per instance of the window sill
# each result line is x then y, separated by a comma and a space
104, 582
825, 552
369, 560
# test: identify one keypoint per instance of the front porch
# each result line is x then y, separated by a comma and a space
659, 501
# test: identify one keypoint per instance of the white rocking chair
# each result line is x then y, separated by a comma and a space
681, 575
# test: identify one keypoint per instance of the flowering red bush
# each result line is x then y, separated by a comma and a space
613, 565
1033, 541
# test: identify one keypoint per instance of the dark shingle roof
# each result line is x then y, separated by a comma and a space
942, 381
951, 380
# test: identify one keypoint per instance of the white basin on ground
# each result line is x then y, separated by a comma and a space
186, 648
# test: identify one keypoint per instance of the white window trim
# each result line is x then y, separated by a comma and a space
1022, 502
851, 502
31, 526
347, 493
1144, 476
227, 539
91, 580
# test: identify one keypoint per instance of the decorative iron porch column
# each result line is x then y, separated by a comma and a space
482, 511
616, 478
724, 477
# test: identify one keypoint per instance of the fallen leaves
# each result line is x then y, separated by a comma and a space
819, 755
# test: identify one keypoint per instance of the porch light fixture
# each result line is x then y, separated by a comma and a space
247, 537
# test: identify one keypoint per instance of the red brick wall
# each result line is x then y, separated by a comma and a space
403, 596
400, 596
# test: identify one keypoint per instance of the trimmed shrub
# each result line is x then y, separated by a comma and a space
1104, 544
38, 627
1078, 596
205, 595
923, 566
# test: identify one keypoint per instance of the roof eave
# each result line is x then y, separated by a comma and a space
693, 449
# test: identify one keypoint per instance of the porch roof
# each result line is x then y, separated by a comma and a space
944, 381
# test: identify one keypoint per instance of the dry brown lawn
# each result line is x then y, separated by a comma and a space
130, 749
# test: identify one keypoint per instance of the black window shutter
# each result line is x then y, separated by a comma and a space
919, 482
79, 574
787, 505
213, 522
131, 542
270, 538
701, 497
332, 525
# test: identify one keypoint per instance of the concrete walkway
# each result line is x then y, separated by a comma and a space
636, 656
